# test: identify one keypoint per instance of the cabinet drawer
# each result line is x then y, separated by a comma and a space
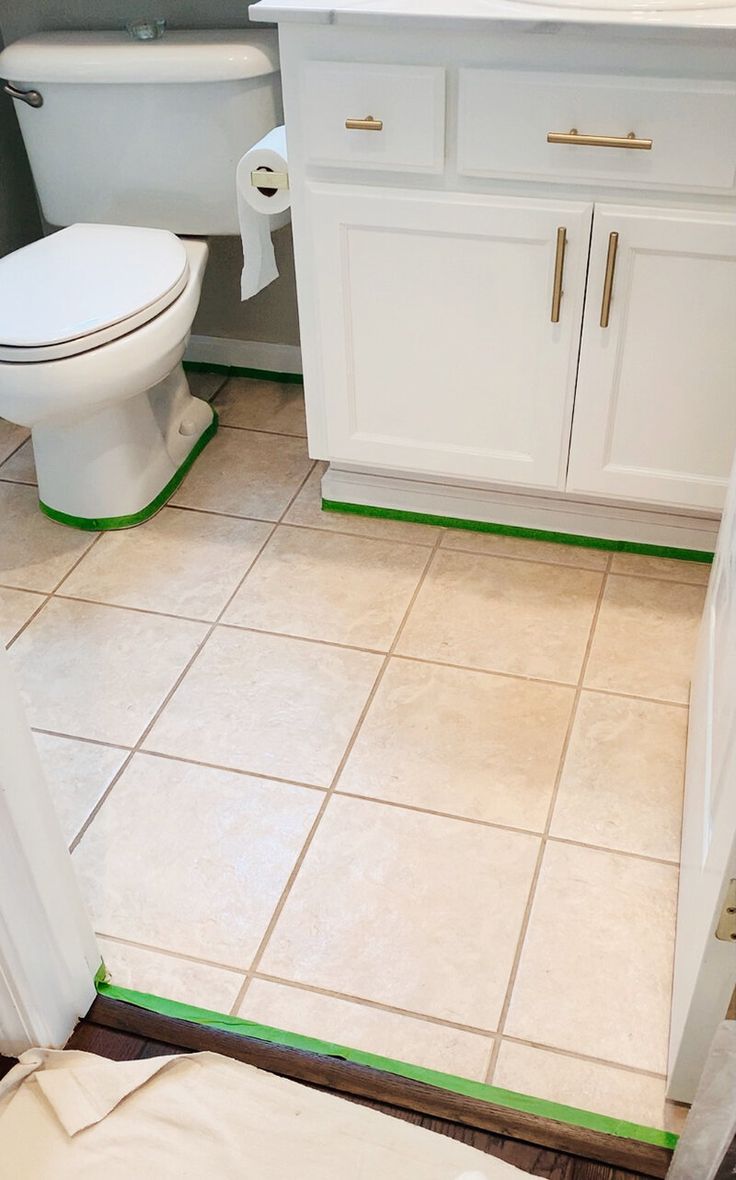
407, 103
505, 117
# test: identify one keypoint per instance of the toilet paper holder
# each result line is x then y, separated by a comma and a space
265, 178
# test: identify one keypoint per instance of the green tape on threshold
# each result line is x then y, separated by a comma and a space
512, 530
508, 1098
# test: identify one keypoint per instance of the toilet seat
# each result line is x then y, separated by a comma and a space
84, 286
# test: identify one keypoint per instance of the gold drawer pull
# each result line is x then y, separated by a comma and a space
608, 281
609, 141
559, 269
367, 124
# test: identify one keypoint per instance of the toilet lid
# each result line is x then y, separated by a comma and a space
85, 285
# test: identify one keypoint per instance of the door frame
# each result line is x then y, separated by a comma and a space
48, 952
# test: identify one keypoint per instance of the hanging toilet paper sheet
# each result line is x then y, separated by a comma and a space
261, 210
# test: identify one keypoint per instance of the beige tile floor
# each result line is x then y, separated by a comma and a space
410, 789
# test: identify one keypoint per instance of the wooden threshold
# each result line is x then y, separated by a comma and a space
362, 1081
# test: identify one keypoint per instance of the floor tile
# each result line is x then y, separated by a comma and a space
596, 969
189, 859
172, 978
246, 473
466, 743
16, 608
644, 641
586, 1085
667, 568
100, 672
307, 510
415, 911
356, 1026
35, 552
326, 586
263, 405
623, 779
205, 385
11, 437
267, 704
77, 774
21, 466
503, 615
497, 545
180, 562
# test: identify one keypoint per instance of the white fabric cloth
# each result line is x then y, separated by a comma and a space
76, 1116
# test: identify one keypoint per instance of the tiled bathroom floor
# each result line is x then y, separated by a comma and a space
409, 789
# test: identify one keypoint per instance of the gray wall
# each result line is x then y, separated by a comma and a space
270, 316
19, 220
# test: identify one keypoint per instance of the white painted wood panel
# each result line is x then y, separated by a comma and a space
505, 115
705, 967
408, 100
438, 352
655, 409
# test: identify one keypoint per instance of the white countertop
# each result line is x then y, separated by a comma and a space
653, 14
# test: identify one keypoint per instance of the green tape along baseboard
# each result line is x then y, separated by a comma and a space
512, 530
430, 1077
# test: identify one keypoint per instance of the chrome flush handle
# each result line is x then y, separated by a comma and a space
31, 97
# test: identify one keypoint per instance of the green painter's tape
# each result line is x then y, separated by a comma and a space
430, 1077
103, 523
236, 371
512, 530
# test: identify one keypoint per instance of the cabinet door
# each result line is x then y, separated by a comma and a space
655, 409
438, 350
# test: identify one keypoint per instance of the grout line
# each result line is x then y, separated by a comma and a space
572, 565
138, 745
269, 778
498, 826
15, 450
371, 651
543, 842
375, 1005
50, 593
169, 954
335, 779
75, 737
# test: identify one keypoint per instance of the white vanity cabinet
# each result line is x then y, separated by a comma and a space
655, 406
463, 209
441, 350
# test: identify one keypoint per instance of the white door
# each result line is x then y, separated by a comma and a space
705, 965
441, 350
655, 409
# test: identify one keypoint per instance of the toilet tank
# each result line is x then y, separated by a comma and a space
144, 132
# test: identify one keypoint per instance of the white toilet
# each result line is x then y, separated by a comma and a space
131, 143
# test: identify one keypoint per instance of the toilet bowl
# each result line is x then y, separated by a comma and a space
94, 321
134, 148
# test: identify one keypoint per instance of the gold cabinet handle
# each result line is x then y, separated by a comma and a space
574, 136
608, 280
367, 124
559, 270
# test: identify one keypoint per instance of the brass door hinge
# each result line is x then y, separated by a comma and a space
726, 928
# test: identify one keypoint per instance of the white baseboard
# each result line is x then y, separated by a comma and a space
244, 354
611, 522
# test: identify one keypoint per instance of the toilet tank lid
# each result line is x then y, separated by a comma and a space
181, 55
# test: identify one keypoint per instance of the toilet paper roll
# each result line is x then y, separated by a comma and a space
261, 210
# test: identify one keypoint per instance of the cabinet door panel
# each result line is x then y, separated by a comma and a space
438, 350
655, 409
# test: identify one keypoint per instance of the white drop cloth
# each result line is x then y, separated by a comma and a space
76, 1116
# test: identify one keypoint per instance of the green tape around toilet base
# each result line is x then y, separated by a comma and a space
239, 371
106, 523
512, 530
555, 1111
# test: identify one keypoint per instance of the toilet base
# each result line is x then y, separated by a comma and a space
117, 467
